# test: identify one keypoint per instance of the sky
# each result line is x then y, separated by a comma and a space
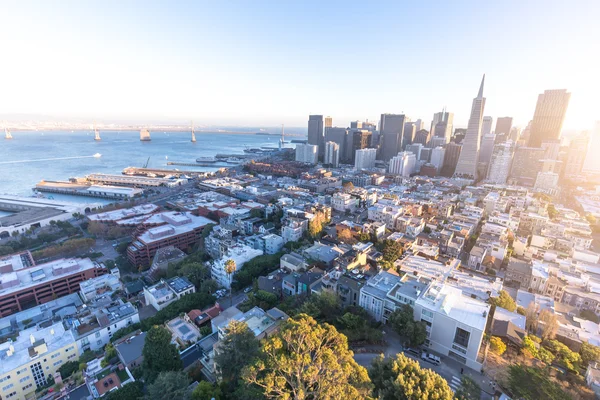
264, 63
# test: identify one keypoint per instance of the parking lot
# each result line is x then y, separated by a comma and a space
449, 368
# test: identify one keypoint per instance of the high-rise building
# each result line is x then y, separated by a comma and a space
404, 163
469, 155
500, 163
332, 154
486, 126
415, 149
442, 125
315, 131
524, 138
425, 154
451, 157
487, 147
547, 182
527, 162
592, 161
549, 115
437, 141
307, 153
391, 129
576, 155
437, 158
503, 127
342, 137
422, 136
459, 135
551, 149
365, 159
410, 129
419, 124
361, 139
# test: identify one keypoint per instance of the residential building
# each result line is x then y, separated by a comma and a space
164, 292
240, 254
546, 182
469, 155
307, 153
549, 115
403, 164
273, 243
178, 229
365, 159
332, 154
293, 262
130, 349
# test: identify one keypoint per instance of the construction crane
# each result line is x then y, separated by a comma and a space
147, 161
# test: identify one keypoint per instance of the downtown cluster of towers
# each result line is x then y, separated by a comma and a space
465, 153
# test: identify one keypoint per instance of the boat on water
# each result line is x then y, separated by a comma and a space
206, 160
97, 137
252, 151
145, 135
97, 155
7, 134
234, 160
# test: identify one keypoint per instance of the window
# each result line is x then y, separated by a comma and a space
7, 377
27, 386
461, 337
57, 363
99, 342
426, 313
24, 379
7, 387
55, 355
97, 334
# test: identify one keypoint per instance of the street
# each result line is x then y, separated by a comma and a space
449, 368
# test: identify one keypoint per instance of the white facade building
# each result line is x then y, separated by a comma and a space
500, 163
343, 201
307, 153
332, 154
437, 157
365, 159
273, 243
403, 164
546, 182
240, 254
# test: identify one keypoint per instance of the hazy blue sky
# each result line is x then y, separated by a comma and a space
270, 62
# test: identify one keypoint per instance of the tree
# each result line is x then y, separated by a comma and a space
531, 317
348, 186
230, 268
549, 324
206, 391
552, 212
469, 389
403, 322
307, 360
504, 300
390, 250
238, 348
497, 345
589, 353
521, 310
196, 272
533, 384
564, 355
168, 386
131, 391
160, 355
315, 226
345, 235
324, 306
529, 347
402, 378
68, 368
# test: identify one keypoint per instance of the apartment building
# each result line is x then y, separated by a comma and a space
167, 291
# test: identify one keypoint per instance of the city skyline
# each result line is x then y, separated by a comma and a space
252, 66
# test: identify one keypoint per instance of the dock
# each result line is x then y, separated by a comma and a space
163, 172
88, 190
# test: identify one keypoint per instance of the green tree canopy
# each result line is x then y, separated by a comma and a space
169, 385
504, 300
469, 389
307, 360
131, 391
206, 391
238, 348
390, 250
497, 345
533, 384
402, 378
403, 322
589, 353
160, 355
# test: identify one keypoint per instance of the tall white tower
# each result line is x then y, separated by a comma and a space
469, 155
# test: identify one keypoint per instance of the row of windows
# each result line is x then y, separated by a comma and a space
7, 377
8, 396
57, 354
4, 388
22, 370
27, 386
57, 363
24, 379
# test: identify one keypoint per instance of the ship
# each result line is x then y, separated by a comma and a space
193, 134
206, 160
145, 135
234, 160
97, 155
7, 134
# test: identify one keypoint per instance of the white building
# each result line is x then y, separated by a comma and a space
332, 154
487, 147
240, 254
546, 182
403, 164
500, 163
292, 231
437, 157
273, 243
343, 201
455, 323
364, 159
307, 153
164, 292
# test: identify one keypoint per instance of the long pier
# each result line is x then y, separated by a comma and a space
164, 172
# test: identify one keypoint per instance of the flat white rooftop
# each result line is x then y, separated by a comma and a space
143, 209
171, 230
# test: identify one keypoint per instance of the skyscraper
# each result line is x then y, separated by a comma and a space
422, 136
576, 154
307, 153
361, 139
315, 131
503, 126
332, 154
499, 167
328, 123
437, 158
451, 156
410, 129
415, 149
527, 162
404, 163
486, 126
549, 115
391, 129
487, 147
442, 125
365, 159
469, 155
342, 137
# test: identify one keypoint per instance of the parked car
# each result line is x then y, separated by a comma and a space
248, 289
415, 351
431, 358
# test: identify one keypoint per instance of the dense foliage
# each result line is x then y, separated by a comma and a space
258, 266
504, 300
403, 322
160, 355
533, 384
169, 386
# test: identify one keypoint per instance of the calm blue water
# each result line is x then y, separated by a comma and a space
20, 169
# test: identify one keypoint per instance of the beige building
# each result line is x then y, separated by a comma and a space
549, 115
36, 354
